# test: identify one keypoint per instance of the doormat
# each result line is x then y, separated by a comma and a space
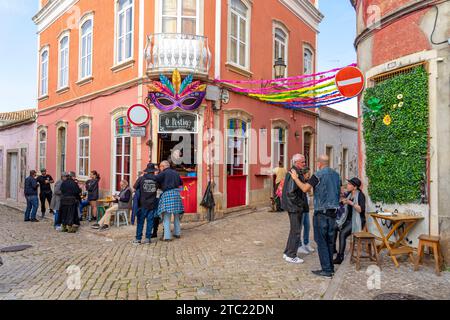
397, 296
15, 248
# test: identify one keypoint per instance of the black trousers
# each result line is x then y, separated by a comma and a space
293, 241
343, 234
156, 222
45, 196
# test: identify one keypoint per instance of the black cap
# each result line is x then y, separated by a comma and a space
355, 182
151, 168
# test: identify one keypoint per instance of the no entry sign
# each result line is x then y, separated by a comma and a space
350, 81
138, 115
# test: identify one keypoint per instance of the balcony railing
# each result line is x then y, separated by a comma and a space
168, 51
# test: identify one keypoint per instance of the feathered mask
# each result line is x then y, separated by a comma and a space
186, 95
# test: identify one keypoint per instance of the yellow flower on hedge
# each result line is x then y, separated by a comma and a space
387, 120
400, 96
400, 104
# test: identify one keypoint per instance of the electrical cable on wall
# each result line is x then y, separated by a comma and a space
434, 28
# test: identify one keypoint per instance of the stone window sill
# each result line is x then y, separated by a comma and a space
123, 65
62, 90
238, 69
84, 81
43, 98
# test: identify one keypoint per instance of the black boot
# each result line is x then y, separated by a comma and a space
339, 259
155, 228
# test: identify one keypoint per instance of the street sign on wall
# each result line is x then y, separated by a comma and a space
350, 81
137, 131
138, 115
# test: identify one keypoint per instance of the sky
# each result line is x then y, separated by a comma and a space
18, 64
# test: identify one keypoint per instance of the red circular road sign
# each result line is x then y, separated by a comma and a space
138, 115
350, 81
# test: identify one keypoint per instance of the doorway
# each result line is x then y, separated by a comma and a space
13, 166
61, 154
180, 149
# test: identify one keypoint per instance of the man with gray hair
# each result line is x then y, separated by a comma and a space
327, 184
294, 201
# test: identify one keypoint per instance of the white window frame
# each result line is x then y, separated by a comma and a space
305, 49
62, 68
275, 141
280, 26
42, 159
43, 79
114, 153
84, 120
119, 37
331, 164
85, 19
247, 35
179, 16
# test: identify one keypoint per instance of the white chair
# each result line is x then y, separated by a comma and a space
124, 214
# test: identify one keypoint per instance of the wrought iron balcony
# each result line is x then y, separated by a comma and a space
166, 52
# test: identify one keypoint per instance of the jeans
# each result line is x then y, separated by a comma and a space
42, 197
83, 204
142, 215
176, 225
293, 242
324, 236
32, 206
306, 229
56, 216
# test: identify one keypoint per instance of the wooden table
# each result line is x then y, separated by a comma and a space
398, 247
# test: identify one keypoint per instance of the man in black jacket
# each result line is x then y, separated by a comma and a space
30, 191
294, 201
45, 191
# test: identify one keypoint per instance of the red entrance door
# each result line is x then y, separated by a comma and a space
189, 194
236, 191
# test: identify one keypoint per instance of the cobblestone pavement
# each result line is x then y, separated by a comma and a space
234, 258
362, 285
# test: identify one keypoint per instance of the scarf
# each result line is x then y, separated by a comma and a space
356, 218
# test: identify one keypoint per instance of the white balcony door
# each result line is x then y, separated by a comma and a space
180, 16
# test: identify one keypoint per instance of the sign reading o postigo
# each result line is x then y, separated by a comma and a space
138, 115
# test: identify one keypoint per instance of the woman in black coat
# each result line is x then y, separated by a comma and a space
71, 196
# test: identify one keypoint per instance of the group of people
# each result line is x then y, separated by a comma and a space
336, 214
156, 194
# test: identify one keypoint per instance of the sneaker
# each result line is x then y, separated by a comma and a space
177, 237
27, 220
309, 248
303, 250
34, 220
136, 242
58, 228
284, 256
95, 226
104, 227
322, 273
146, 241
296, 260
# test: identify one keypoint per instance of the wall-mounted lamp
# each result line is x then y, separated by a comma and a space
297, 135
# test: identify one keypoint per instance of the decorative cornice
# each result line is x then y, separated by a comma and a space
50, 12
306, 11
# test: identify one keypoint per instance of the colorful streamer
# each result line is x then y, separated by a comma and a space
316, 90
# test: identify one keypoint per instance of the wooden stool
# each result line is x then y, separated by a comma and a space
431, 242
360, 239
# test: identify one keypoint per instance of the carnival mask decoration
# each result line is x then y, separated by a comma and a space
167, 95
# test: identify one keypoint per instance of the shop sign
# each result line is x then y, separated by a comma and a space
180, 122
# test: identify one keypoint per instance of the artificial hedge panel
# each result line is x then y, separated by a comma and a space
396, 146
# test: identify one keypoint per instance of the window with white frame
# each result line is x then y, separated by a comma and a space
279, 146
239, 30
124, 30
308, 62
44, 73
280, 46
83, 149
63, 62
180, 16
122, 152
86, 49
42, 148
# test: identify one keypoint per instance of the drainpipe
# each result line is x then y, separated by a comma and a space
217, 40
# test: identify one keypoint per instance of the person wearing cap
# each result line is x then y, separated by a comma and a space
353, 218
147, 188
56, 200
45, 191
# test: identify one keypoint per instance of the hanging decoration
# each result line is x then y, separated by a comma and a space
304, 91
374, 104
167, 95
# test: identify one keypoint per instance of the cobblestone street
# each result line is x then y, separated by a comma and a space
235, 258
